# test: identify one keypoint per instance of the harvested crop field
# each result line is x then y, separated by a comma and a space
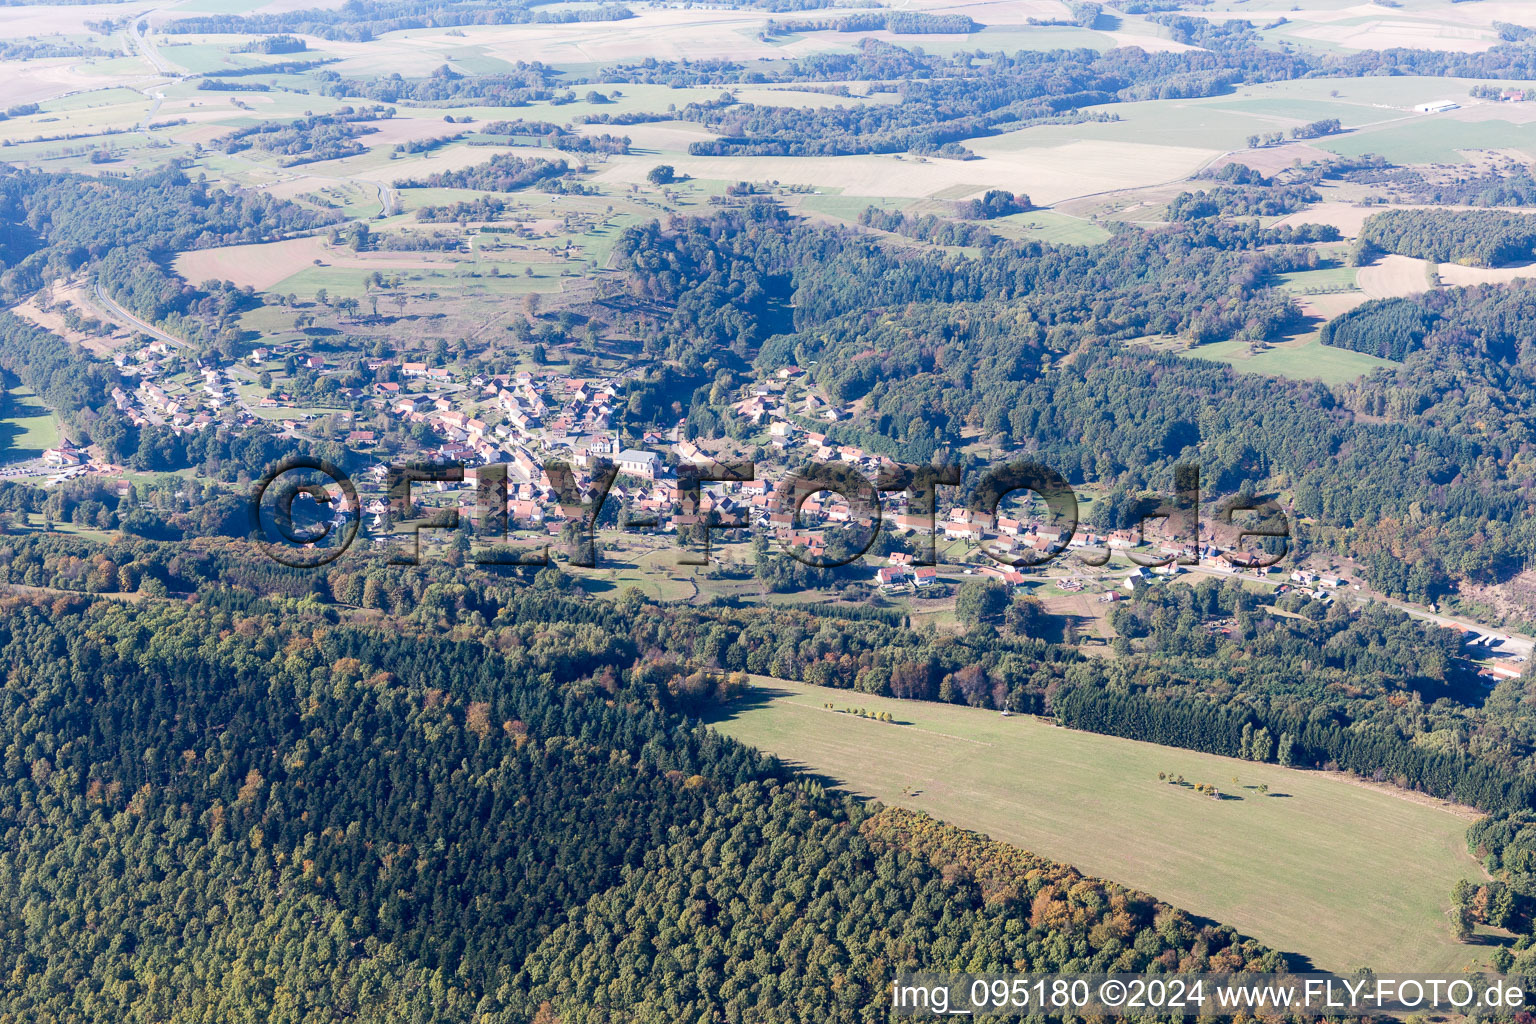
1048, 174
1347, 217
260, 266
1395, 276
1456, 275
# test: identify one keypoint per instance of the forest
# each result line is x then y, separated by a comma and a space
505, 824
127, 230
55, 223
1475, 238
539, 133
308, 139
901, 23
73, 385
362, 20
765, 260
942, 99
235, 791
946, 101
1505, 843
1238, 201
514, 88
503, 172
1370, 691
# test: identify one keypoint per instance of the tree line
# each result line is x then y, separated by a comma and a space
363, 20
1476, 238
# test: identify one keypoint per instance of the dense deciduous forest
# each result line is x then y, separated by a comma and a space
1505, 843
1239, 201
540, 133
901, 23
515, 88
764, 261
54, 223
1476, 238
127, 231
955, 99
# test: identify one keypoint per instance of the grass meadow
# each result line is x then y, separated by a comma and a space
1340, 872
1304, 358
28, 428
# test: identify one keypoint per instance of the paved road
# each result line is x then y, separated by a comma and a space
144, 41
1514, 643
156, 97
139, 33
115, 309
149, 329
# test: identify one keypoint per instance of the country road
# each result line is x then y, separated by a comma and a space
141, 35
156, 97
1513, 642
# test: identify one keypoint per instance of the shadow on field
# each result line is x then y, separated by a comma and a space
1489, 939
763, 694
758, 696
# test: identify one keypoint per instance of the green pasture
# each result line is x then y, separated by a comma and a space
1304, 358
1346, 874
28, 427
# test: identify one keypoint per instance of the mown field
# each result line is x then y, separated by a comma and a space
1304, 358
27, 429
1345, 874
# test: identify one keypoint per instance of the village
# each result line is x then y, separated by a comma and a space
512, 427
522, 422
